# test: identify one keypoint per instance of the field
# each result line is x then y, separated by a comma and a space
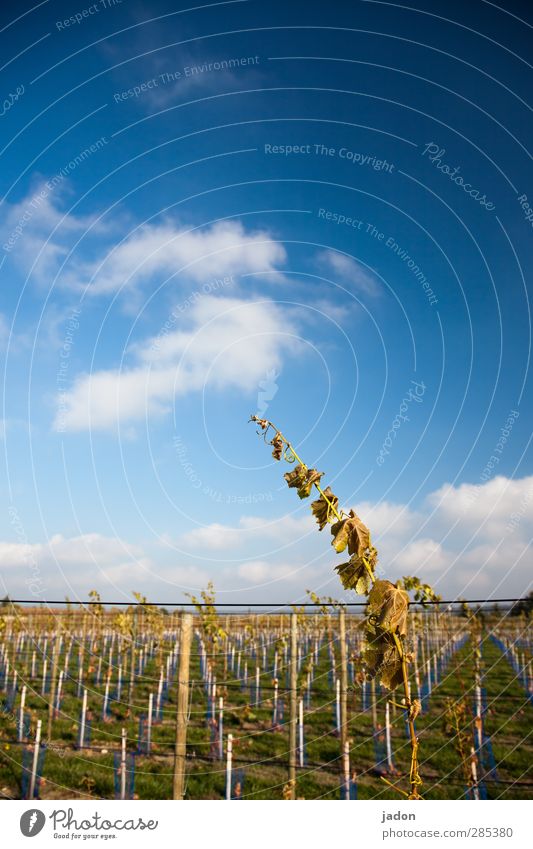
72, 670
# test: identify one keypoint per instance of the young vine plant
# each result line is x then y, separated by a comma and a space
386, 656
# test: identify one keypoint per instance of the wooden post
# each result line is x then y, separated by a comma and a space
301, 731
293, 712
178, 784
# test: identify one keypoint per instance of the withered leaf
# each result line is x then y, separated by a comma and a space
382, 659
303, 480
354, 575
388, 607
277, 447
415, 709
323, 510
350, 532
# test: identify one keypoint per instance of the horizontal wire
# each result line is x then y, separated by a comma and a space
243, 605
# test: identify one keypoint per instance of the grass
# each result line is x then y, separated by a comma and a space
263, 753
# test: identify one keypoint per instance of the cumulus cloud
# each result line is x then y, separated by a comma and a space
470, 538
37, 232
83, 562
487, 504
249, 530
348, 270
463, 545
284, 555
263, 572
222, 249
228, 344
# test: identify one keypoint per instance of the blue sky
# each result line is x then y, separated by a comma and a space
319, 212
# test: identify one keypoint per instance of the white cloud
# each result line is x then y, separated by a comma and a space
37, 233
421, 557
223, 249
214, 537
284, 555
470, 538
229, 344
487, 504
387, 518
350, 271
462, 546
82, 561
263, 572
250, 530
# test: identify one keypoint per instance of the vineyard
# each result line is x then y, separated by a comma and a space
147, 704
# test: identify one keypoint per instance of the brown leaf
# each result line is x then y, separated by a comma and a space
322, 510
303, 479
277, 444
382, 659
414, 710
388, 606
351, 532
354, 575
